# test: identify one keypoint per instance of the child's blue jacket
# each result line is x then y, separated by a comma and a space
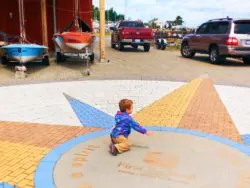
124, 123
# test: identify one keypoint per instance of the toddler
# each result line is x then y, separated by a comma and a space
122, 129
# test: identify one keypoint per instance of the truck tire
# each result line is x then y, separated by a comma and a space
246, 60
112, 44
120, 46
146, 47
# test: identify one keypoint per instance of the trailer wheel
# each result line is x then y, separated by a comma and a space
59, 57
45, 60
92, 58
4, 60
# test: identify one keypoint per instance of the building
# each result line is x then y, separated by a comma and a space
40, 14
159, 24
108, 24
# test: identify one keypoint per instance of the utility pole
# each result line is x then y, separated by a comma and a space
44, 22
102, 31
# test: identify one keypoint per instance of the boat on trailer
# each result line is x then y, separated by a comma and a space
24, 51
75, 40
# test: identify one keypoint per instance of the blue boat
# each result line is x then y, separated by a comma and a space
24, 53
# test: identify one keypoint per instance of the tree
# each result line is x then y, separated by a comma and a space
179, 20
152, 23
95, 13
111, 14
170, 24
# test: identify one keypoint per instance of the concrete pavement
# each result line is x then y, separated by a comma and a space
165, 160
135, 65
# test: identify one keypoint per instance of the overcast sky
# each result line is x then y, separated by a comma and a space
194, 12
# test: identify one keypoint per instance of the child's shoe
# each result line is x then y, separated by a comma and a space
113, 150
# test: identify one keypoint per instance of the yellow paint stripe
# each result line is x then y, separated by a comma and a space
18, 163
169, 110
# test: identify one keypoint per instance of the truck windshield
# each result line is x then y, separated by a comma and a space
131, 24
242, 27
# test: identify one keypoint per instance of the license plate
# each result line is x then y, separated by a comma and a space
137, 40
247, 42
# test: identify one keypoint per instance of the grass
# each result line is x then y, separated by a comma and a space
174, 48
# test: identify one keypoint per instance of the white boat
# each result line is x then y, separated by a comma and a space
75, 39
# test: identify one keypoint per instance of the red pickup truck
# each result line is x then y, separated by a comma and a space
131, 33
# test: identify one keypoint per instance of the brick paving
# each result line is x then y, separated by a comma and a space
207, 113
23, 145
195, 106
169, 110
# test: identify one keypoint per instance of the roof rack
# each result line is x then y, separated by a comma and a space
220, 19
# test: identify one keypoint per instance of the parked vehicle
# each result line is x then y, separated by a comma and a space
132, 33
220, 38
161, 40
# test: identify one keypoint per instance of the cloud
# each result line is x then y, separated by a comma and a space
194, 12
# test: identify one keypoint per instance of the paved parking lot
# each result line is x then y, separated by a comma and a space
136, 64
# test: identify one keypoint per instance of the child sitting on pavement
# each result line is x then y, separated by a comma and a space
122, 129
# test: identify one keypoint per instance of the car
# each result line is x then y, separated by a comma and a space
132, 33
220, 38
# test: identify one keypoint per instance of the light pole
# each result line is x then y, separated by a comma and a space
102, 31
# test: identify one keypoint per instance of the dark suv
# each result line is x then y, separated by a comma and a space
220, 38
